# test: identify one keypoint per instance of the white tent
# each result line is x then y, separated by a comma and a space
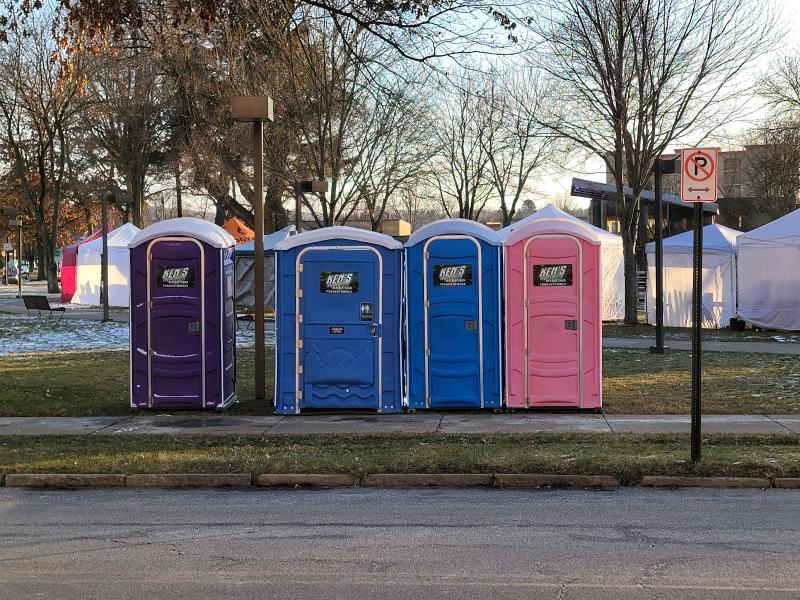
611, 258
244, 257
719, 278
769, 274
89, 268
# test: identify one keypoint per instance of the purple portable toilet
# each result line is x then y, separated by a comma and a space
182, 321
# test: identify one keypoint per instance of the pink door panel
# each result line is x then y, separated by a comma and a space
553, 269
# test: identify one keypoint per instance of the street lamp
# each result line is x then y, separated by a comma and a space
256, 110
121, 199
319, 186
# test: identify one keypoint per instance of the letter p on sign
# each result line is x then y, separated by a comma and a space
699, 175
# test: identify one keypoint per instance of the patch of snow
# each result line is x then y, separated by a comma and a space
21, 334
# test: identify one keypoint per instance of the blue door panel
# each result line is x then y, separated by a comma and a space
339, 329
453, 339
454, 373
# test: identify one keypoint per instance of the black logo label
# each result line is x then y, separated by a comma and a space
552, 275
338, 283
338, 330
452, 275
367, 311
175, 277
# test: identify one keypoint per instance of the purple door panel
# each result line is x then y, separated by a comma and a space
177, 323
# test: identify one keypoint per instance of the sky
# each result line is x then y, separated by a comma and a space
559, 182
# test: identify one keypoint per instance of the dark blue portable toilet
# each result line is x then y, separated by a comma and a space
182, 320
453, 316
338, 319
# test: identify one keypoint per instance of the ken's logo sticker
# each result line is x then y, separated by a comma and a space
175, 277
452, 275
552, 275
338, 283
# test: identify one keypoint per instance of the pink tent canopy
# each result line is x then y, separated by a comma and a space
69, 262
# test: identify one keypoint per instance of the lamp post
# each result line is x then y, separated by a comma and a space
18, 224
662, 167
13, 212
256, 110
121, 199
319, 186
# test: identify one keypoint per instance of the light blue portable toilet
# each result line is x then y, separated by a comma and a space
338, 321
453, 318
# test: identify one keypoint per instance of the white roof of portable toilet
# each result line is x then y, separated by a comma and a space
549, 217
457, 227
338, 232
716, 238
202, 230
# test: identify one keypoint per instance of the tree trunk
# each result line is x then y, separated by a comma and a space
41, 272
178, 190
629, 251
219, 215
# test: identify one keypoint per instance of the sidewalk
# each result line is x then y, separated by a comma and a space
416, 423
709, 345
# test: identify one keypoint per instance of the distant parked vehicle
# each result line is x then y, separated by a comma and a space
14, 271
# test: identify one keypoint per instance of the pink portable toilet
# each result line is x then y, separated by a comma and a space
553, 324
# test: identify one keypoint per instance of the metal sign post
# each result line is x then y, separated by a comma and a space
698, 185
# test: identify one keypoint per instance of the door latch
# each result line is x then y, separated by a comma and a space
571, 325
471, 325
194, 326
375, 330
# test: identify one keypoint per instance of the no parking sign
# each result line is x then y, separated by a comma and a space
699, 175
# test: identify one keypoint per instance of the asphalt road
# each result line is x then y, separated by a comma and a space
421, 544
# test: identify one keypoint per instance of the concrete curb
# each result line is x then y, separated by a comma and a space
64, 481
181, 480
534, 480
306, 480
787, 483
426, 480
731, 482
498, 480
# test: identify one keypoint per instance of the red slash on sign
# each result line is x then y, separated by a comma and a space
699, 166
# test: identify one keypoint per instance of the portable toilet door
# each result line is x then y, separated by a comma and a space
182, 320
553, 322
337, 318
453, 316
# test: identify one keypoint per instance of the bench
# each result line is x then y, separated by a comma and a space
247, 317
40, 303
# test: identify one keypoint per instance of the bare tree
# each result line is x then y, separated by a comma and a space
780, 86
461, 168
635, 75
39, 107
391, 137
128, 117
516, 142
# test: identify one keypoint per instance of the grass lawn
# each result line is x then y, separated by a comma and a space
620, 330
93, 383
627, 457
637, 382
